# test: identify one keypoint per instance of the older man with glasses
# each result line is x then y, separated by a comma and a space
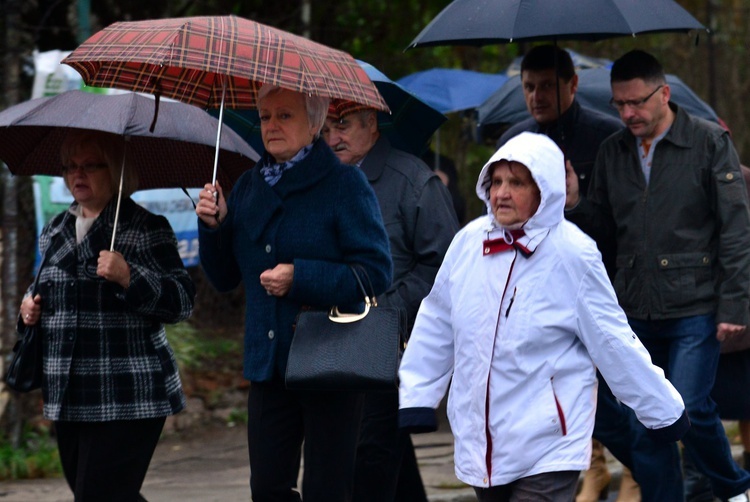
669, 189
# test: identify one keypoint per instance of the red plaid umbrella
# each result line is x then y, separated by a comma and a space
211, 61
186, 58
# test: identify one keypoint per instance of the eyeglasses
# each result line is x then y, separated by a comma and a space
633, 103
87, 168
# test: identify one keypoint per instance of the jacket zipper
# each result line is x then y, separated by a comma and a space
488, 435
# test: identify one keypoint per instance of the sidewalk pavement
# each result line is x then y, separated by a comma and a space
212, 466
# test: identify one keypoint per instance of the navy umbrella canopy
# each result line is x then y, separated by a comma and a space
409, 126
412, 120
483, 22
507, 105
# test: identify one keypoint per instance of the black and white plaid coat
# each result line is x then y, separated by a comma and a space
106, 355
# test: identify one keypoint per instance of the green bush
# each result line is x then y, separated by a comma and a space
197, 349
36, 456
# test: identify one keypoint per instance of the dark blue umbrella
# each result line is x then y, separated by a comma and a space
483, 22
412, 121
507, 105
452, 90
409, 126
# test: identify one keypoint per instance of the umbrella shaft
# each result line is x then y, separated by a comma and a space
218, 132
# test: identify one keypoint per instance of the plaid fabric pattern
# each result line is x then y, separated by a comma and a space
106, 355
179, 153
340, 108
188, 58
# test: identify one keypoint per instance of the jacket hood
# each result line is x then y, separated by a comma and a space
546, 163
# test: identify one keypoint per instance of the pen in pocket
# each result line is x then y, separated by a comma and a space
507, 312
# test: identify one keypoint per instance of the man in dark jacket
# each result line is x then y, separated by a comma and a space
420, 220
670, 189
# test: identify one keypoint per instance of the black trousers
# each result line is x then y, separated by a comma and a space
107, 460
279, 421
386, 469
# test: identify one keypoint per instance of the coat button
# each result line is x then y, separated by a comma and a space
268, 248
664, 262
730, 176
271, 334
705, 259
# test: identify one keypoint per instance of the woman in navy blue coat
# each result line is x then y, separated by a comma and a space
289, 231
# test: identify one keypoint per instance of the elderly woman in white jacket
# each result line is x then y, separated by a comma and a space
519, 317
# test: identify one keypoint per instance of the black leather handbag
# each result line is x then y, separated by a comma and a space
335, 351
25, 369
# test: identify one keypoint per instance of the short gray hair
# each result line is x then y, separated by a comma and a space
316, 106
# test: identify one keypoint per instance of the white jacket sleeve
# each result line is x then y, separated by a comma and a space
427, 365
620, 356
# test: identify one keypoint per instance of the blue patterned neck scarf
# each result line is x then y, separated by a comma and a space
272, 172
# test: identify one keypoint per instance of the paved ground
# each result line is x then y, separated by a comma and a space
211, 466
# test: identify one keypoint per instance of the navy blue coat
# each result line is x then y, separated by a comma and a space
321, 216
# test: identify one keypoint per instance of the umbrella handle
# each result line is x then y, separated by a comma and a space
119, 198
218, 132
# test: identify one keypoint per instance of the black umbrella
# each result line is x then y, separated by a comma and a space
178, 153
483, 22
507, 104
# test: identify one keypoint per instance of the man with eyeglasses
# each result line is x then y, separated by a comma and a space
670, 190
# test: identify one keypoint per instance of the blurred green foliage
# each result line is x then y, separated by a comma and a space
35, 457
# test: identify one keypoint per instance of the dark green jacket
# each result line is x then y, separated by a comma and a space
683, 240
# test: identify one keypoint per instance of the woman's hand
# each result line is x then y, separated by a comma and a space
113, 267
278, 280
212, 206
31, 310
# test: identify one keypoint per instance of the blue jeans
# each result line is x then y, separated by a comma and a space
655, 466
688, 351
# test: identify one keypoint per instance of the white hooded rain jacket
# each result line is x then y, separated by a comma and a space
521, 339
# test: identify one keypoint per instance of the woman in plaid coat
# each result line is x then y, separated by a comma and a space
110, 377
